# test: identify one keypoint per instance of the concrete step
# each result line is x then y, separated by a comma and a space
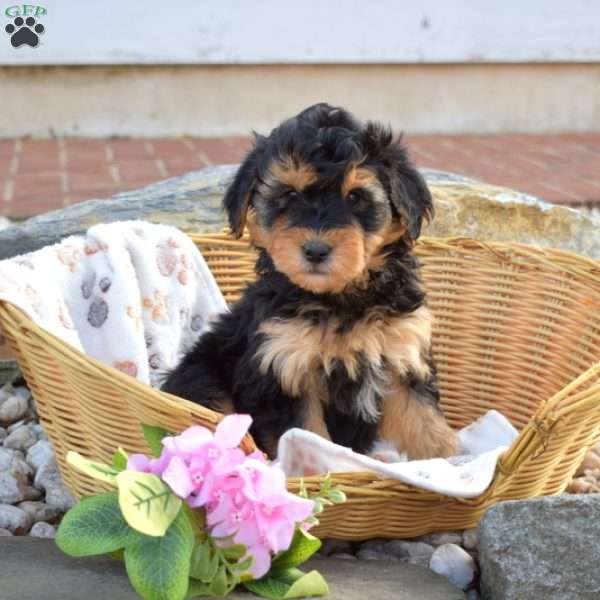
35, 569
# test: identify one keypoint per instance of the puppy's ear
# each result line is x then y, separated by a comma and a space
238, 196
409, 195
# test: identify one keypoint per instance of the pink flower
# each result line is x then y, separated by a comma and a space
245, 498
140, 462
258, 511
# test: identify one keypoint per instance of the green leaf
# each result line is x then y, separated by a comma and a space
234, 552
219, 585
147, 503
242, 567
119, 459
287, 584
303, 546
153, 436
158, 567
337, 496
204, 563
95, 526
311, 584
93, 469
198, 589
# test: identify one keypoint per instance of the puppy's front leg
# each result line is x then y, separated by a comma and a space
313, 418
413, 423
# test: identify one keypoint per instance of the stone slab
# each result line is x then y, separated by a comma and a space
192, 202
541, 549
32, 569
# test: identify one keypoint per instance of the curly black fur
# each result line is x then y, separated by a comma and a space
223, 368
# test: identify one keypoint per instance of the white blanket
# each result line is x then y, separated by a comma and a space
303, 453
133, 295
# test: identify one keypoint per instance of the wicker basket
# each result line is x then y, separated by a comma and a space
517, 329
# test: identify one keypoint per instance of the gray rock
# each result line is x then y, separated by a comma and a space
39, 431
191, 202
330, 546
470, 539
4, 223
473, 595
14, 519
58, 496
39, 454
40, 511
47, 474
443, 537
366, 554
23, 392
5, 533
16, 425
12, 462
343, 556
413, 552
12, 490
13, 409
43, 530
32, 493
22, 438
453, 562
464, 207
375, 545
541, 549
3, 433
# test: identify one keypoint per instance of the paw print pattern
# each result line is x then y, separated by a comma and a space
197, 323
128, 367
87, 286
170, 261
24, 32
157, 305
98, 312
69, 256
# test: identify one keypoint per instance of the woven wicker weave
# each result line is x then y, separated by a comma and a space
517, 329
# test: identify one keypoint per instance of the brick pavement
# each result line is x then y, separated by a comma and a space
41, 175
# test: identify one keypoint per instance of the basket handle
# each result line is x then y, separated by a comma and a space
581, 394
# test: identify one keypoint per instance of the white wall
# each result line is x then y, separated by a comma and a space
310, 31
231, 100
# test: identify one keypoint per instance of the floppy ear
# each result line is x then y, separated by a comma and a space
238, 196
410, 195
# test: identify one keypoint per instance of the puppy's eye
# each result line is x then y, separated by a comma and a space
292, 194
352, 196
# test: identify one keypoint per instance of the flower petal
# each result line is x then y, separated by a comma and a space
138, 462
231, 430
261, 561
177, 476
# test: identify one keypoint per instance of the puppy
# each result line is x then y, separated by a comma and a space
334, 335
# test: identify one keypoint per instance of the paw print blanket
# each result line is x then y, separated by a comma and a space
133, 295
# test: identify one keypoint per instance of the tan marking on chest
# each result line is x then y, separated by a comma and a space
299, 352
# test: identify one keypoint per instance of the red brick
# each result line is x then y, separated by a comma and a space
90, 180
137, 170
128, 148
218, 151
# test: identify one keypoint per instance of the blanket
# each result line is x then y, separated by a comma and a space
467, 475
133, 295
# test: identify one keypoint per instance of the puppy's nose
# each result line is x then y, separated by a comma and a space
316, 252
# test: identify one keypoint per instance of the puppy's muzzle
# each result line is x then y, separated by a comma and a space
316, 251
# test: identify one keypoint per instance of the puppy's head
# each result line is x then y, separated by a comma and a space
324, 195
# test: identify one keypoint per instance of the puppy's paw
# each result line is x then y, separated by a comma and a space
386, 452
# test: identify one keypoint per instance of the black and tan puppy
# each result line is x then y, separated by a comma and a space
334, 336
